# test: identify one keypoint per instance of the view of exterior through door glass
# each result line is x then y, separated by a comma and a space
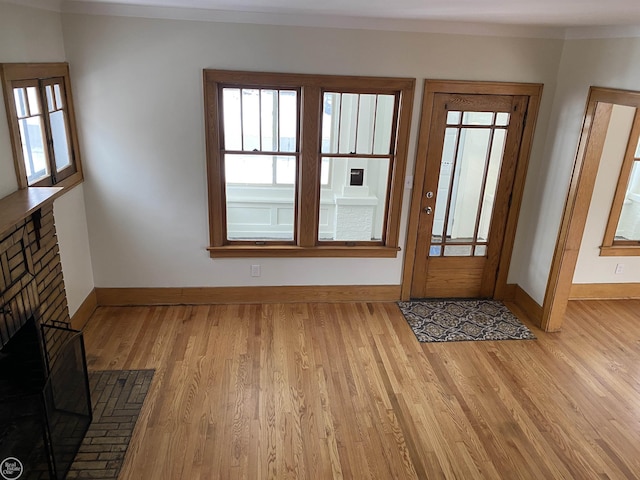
470, 166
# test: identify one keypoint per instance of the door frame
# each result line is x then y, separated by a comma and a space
576, 210
431, 88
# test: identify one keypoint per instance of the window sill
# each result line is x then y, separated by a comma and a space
620, 251
239, 251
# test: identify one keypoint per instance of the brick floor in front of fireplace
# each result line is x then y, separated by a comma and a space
117, 397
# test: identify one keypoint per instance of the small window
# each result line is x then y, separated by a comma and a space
622, 236
305, 165
42, 124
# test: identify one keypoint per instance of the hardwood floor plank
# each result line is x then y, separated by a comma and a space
333, 391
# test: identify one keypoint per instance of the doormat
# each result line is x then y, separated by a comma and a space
455, 320
117, 397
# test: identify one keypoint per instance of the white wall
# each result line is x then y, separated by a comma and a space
612, 62
138, 92
34, 35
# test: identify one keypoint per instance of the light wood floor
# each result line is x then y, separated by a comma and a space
323, 391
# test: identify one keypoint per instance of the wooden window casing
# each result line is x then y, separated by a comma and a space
307, 194
612, 246
43, 76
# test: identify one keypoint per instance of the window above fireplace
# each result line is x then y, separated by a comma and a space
42, 124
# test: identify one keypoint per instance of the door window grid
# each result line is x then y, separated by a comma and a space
459, 126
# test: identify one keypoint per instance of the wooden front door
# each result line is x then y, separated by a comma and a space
473, 147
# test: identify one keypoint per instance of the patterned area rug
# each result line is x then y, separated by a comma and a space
457, 320
117, 397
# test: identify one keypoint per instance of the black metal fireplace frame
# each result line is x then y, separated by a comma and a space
56, 404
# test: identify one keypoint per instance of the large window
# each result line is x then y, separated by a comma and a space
42, 124
305, 165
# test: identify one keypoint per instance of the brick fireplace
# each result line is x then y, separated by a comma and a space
31, 281
45, 407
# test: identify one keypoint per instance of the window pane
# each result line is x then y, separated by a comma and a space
256, 209
359, 211
384, 124
232, 119
366, 123
50, 100
288, 120
250, 119
629, 222
249, 169
59, 137
34, 101
58, 95
348, 123
269, 113
325, 171
35, 159
330, 124
21, 102
286, 170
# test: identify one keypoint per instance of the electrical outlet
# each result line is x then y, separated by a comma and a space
619, 268
255, 270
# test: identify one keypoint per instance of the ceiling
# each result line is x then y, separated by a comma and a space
550, 13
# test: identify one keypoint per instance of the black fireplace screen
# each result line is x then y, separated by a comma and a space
45, 407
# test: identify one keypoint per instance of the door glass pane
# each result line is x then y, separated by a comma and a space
457, 250
491, 184
258, 209
481, 250
453, 118
354, 213
467, 186
502, 119
477, 118
444, 182
629, 222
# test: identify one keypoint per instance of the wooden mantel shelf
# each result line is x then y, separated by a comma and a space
21, 204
